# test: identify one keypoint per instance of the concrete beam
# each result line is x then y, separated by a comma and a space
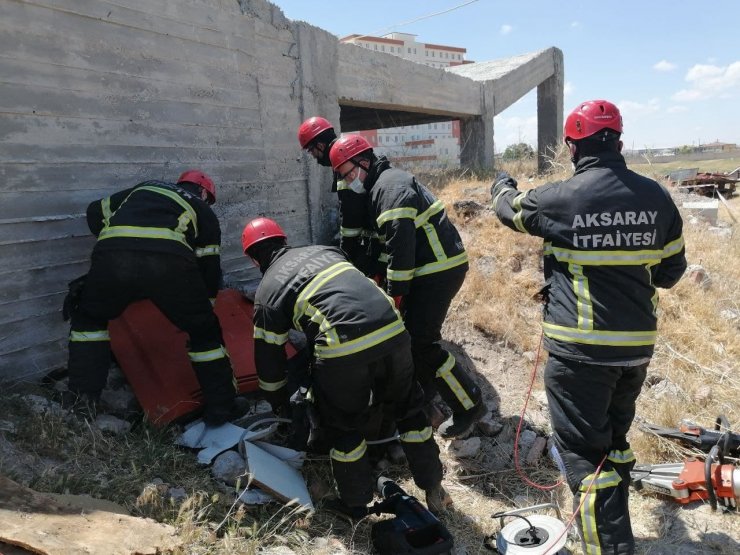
370, 79
510, 79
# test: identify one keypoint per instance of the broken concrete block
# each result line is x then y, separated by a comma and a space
229, 467
464, 448
536, 450
490, 425
177, 494
255, 496
111, 424
119, 400
41, 405
526, 440
697, 275
49, 524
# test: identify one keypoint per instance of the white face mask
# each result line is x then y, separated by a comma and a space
356, 185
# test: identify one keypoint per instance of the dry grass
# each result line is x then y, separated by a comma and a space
698, 351
698, 348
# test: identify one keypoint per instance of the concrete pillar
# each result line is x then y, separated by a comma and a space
550, 113
476, 134
316, 91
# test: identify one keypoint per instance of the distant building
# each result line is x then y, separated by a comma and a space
716, 146
432, 145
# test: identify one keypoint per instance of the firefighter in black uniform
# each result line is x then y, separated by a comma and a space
158, 241
361, 358
611, 237
426, 266
356, 236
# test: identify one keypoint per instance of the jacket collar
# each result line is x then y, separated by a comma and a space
602, 160
379, 166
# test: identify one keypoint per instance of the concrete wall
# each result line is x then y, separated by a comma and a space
97, 96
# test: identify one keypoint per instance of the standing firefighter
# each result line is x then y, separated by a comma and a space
158, 241
426, 267
316, 136
611, 237
361, 358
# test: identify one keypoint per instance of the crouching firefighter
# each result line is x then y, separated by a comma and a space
361, 357
158, 241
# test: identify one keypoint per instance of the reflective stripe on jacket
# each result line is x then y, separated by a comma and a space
611, 237
160, 217
317, 291
418, 236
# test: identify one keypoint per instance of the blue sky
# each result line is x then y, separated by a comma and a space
673, 67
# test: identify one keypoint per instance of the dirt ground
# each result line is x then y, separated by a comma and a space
661, 526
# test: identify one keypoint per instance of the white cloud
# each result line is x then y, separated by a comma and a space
632, 108
510, 130
676, 109
506, 29
575, 24
568, 88
708, 81
664, 65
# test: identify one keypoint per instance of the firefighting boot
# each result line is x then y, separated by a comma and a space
438, 500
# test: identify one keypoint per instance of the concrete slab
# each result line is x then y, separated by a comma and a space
48, 526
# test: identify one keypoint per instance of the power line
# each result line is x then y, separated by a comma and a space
386, 29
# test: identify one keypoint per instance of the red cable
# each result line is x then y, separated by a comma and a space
516, 454
519, 428
578, 510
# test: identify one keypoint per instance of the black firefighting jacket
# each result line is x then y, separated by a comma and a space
315, 289
357, 236
155, 216
413, 226
611, 237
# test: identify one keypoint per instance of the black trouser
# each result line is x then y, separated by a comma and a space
174, 284
345, 394
425, 308
592, 407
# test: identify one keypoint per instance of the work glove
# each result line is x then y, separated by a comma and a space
74, 294
503, 179
398, 301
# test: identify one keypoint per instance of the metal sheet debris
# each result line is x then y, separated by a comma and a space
276, 477
291, 456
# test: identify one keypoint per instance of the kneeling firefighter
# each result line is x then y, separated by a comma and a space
361, 357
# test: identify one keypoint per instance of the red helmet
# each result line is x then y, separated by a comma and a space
590, 117
347, 147
258, 230
312, 128
200, 178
